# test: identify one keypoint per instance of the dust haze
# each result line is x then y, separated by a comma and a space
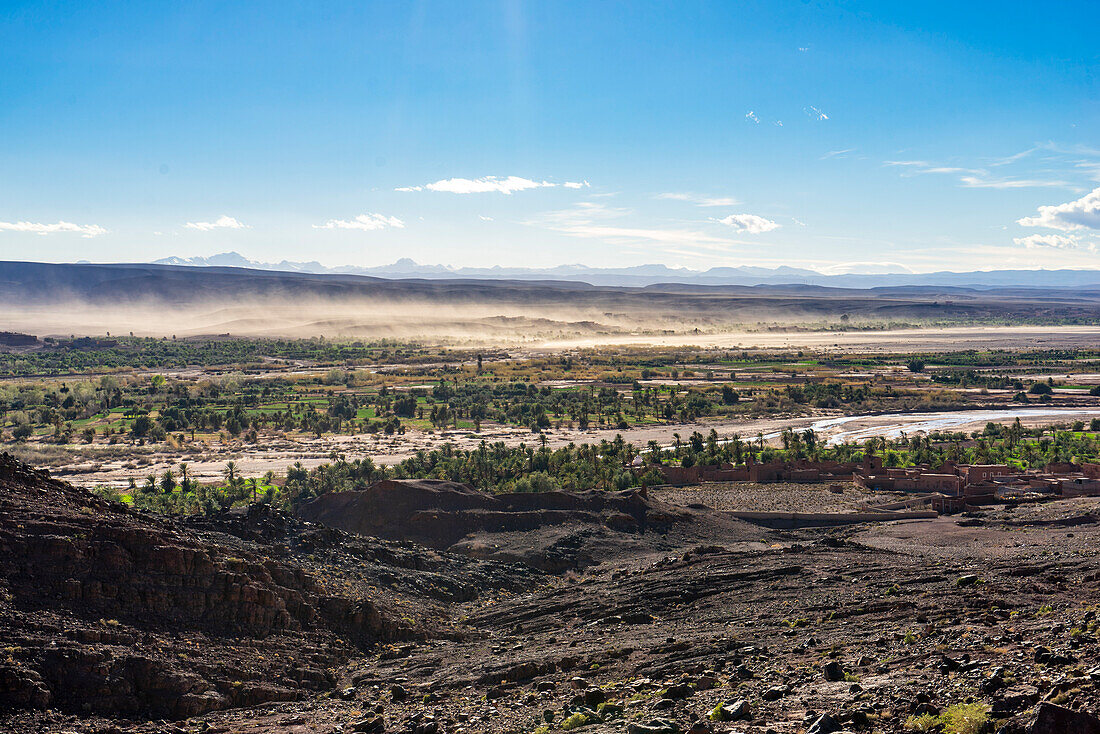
551, 324
384, 319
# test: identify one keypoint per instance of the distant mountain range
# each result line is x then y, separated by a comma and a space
652, 274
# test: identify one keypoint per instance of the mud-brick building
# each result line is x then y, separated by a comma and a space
1080, 486
1092, 471
810, 471
981, 473
911, 479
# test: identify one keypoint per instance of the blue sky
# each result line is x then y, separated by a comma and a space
834, 135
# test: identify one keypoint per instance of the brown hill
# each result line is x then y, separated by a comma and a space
550, 531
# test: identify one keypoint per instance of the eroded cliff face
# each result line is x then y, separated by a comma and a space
112, 612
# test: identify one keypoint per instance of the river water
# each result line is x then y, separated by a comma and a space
892, 425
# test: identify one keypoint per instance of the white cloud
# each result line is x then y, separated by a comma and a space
490, 184
838, 153
1084, 213
816, 114
222, 222
752, 116
750, 223
367, 222
487, 184
40, 228
1061, 242
484, 218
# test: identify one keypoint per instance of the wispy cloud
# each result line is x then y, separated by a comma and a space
838, 153
596, 221
698, 199
749, 223
866, 268
484, 218
369, 222
977, 182
1061, 242
913, 168
975, 178
751, 116
1084, 213
1006, 160
816, 114
41, 228
583, 212
491, 184
222, 222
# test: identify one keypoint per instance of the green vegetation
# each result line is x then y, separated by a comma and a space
241, 389
962, 718
575, 721
588, 390
91, 400
607, 465
114, 354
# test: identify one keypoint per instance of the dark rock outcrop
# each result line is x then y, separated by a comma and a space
440, 513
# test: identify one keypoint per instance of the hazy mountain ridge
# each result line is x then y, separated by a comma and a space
652, 274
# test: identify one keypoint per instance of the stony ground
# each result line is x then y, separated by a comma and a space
776, 497
988, 618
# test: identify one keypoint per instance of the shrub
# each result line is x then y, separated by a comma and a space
574, 721
962, 718
922, 723
965, 718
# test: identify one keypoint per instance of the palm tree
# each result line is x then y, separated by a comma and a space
184, 484
230, 473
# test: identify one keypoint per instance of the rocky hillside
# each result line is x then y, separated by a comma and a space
109, 612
